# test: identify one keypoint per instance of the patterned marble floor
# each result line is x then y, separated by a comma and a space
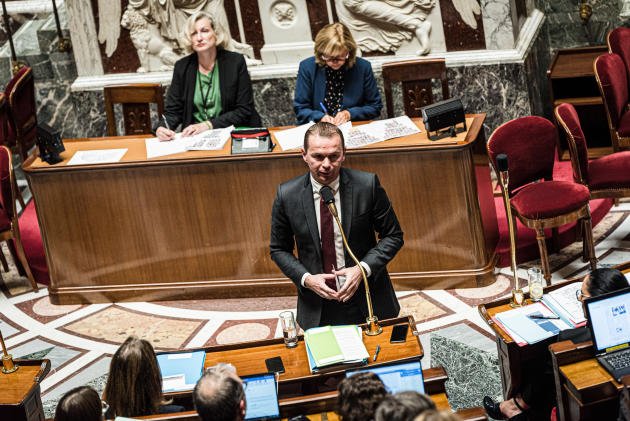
80, 339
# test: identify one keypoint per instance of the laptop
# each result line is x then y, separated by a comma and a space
261, 396
397, 376
609, 322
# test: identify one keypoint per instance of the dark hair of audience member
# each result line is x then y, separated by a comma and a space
605, 280
81, 403
218, 394
434, 415
134, 383
403, 406
359, 396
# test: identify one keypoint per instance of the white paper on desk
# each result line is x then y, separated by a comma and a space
174, 383
210, 140
292, 138
532, 330
380, 130
350, 340
156, 147
100, 156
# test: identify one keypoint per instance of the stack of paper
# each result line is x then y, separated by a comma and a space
329, 346
565, 304
531, 323
210, 140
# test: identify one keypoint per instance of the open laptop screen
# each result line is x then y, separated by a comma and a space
398, 377
261, 396
609, 318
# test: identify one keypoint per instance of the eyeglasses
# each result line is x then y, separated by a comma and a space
580, 295
334, 59
104, 408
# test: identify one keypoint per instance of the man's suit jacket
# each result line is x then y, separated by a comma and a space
237, 101
366, 210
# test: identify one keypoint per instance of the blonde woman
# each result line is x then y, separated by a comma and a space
335, 85
211, 88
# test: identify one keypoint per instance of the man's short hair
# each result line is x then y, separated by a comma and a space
403, 406
323, 129
218, 394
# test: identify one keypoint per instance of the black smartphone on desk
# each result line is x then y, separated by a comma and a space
399, 333
274, 365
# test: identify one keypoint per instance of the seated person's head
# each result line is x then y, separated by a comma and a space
81, 403
602, 281
219, 394
134, 383
359, 395
433, 415
403, 406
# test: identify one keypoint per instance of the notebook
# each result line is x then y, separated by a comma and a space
397, 377
261, 395
609, 322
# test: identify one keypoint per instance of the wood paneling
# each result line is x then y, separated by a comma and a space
197, 224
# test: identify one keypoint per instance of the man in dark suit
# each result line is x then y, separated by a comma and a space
365, 210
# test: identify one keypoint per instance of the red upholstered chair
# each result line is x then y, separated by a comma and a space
610, 72
618, 41
9, 228
20, 93
608, 176
536, 200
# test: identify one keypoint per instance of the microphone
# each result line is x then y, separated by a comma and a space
329, 200
372, 321
502, 166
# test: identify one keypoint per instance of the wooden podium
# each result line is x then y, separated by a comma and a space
20, 397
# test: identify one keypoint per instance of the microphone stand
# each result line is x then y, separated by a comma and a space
372, 321
517, 293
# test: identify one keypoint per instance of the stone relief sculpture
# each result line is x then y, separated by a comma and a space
157, 40
467, 9
153, 52
382, 25
625, 11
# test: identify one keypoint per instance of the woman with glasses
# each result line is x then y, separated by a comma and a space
536, 396
335, 85
210, 88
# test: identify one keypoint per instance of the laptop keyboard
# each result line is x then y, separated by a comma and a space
618, 360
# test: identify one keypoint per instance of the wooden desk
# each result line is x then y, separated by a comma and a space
584, 389
20, 396
196, 224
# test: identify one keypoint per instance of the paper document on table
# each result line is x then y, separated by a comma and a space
292, 138
101, 156
345, 129
351, 341
563, 301
532, 329
210, 140
380, 130
156, 147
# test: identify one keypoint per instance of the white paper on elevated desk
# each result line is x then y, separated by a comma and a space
292, 138
350, 340
380, 130
100, 156
564, 302
532, 330
210, 140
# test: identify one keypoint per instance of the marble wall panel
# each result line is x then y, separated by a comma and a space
498, 27
536, 65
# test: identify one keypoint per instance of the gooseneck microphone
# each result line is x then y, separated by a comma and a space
372, 321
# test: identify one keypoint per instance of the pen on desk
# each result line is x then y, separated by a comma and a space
378, 349
165, 121
321, 104
540, 316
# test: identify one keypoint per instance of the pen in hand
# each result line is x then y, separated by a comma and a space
378, 349
321, 104
165, 121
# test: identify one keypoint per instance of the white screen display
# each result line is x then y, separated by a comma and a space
261, 397
401, 377
610, 319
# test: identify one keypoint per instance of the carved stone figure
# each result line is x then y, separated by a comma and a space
148, 42
625, 11
467, 10
160, 39
382, 25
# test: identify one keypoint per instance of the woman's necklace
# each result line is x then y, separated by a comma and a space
205, 95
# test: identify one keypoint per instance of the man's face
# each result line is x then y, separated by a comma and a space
324, 157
